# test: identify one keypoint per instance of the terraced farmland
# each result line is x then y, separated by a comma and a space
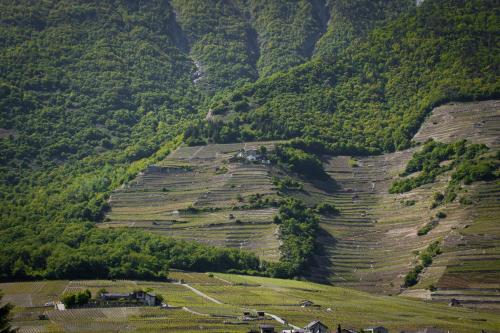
191, 312
197, 194
372, 244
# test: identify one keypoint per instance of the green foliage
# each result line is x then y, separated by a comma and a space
374, 95
221, 42
159, 298
79, 251
465, 158
287, 184
95, 92
426, 260
77, 299
441, 215
5, 310
427, 228
287, 32
297, 160
438, 199
326, 208
298, 227
412, 277
408, 203
351, 20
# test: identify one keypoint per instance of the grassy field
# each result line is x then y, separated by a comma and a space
332, 305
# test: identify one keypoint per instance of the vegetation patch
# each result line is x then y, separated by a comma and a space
298, 227
427, 228
467, 160
425, 260
326, 208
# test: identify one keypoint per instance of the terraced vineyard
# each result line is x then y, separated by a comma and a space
191, 312
372, 244
197, 194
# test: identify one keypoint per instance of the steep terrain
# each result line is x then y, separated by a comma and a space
196, 193
371, 245
94, 97
375, 236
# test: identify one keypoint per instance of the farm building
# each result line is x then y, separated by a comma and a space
252, 156
143, 297
376, 329
316, 327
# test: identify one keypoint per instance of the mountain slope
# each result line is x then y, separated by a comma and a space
92, 94
371, 244
375, 94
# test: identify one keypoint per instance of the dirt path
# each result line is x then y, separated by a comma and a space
223, 280
211, 299
202, 294
185, 308
281, 320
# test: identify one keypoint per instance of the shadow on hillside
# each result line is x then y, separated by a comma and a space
320, 270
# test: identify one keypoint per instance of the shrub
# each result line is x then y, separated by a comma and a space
412, 277
327, 209
441, 215
301, 162
427, 228
77, 299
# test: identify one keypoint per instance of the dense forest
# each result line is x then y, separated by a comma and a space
93, 92
373, 94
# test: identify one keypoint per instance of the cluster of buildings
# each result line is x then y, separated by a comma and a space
252, 156
318, 327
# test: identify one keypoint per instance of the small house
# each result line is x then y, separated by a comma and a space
150, 299
115, 296
316, 327
146, 298
376, 329
266, 329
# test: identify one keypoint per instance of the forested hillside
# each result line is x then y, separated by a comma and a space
373, 95
91, 93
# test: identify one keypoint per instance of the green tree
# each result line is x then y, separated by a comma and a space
5, 317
